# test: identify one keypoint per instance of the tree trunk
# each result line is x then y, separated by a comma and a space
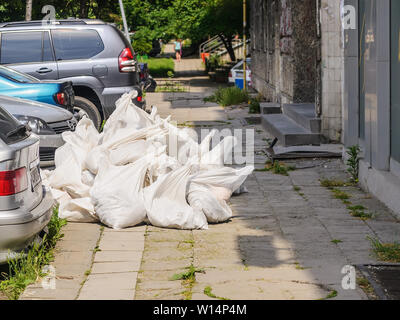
84, 9
28, 12
228, 45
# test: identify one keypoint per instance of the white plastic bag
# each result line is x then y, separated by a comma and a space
166, 205
117, 194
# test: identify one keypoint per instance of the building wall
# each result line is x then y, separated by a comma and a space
331, 69
368, 98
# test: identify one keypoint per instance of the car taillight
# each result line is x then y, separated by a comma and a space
61, 98
13, 182
125, 61
139, 99
230, 74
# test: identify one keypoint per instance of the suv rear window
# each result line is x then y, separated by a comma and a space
11, 130
76, 44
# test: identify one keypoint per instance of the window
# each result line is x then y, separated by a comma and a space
76, 44
14, 47
47, 50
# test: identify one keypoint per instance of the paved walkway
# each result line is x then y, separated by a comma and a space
289, 238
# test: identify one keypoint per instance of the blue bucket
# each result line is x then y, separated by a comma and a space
239, 83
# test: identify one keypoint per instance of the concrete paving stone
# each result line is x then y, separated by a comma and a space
116, 245
162, 265
79, 235
116, 286
42, 294
76, 245
140, 229
388, 232
352, 295
326, 203
327, 270
303, 178
115, 267
86, 227
155, 275
118, 256
128, 237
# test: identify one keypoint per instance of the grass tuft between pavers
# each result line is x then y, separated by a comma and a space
386, 252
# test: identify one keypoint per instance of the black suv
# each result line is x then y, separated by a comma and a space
95, 56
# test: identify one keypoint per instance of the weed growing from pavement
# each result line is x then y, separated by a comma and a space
208, 292
353, 162
331, 295
366, 286
387, 252
341, 195
228, 96
277, 168
359, 212
188, 280
333, 183
336, 241
27, 267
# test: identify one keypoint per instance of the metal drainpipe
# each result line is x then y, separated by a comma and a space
318, 91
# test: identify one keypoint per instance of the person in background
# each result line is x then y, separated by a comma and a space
178, 49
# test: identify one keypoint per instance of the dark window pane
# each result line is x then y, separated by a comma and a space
47, 50
395, 74
76, 44
21, 47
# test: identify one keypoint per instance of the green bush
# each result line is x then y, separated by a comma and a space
161, 67
254, 106
228, 96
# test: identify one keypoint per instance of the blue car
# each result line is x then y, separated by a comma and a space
21, 85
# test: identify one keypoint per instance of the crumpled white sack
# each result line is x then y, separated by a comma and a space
166, 205
222, 182
117, 193
201, 197
76, 210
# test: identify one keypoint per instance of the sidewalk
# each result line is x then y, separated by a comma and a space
289, 238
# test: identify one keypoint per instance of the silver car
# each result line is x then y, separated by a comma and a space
25, 206
48, 121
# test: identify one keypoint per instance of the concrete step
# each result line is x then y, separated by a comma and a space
288, 132
270, 108
304, 115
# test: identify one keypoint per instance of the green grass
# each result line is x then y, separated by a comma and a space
159, 67
208, 292
332, 183
387, 252
341, 195
277, 168
359, 212
336, 241
27, 268
188, 280
228, 96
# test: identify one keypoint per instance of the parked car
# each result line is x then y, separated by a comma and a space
95, 56
25, 206
17, 84
45, 120
236, 74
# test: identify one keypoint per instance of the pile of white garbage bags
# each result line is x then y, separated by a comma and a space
141, 168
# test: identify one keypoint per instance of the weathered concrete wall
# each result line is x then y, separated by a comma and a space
284, 49
332, 69
285, 56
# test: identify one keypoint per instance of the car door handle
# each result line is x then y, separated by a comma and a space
44, 70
